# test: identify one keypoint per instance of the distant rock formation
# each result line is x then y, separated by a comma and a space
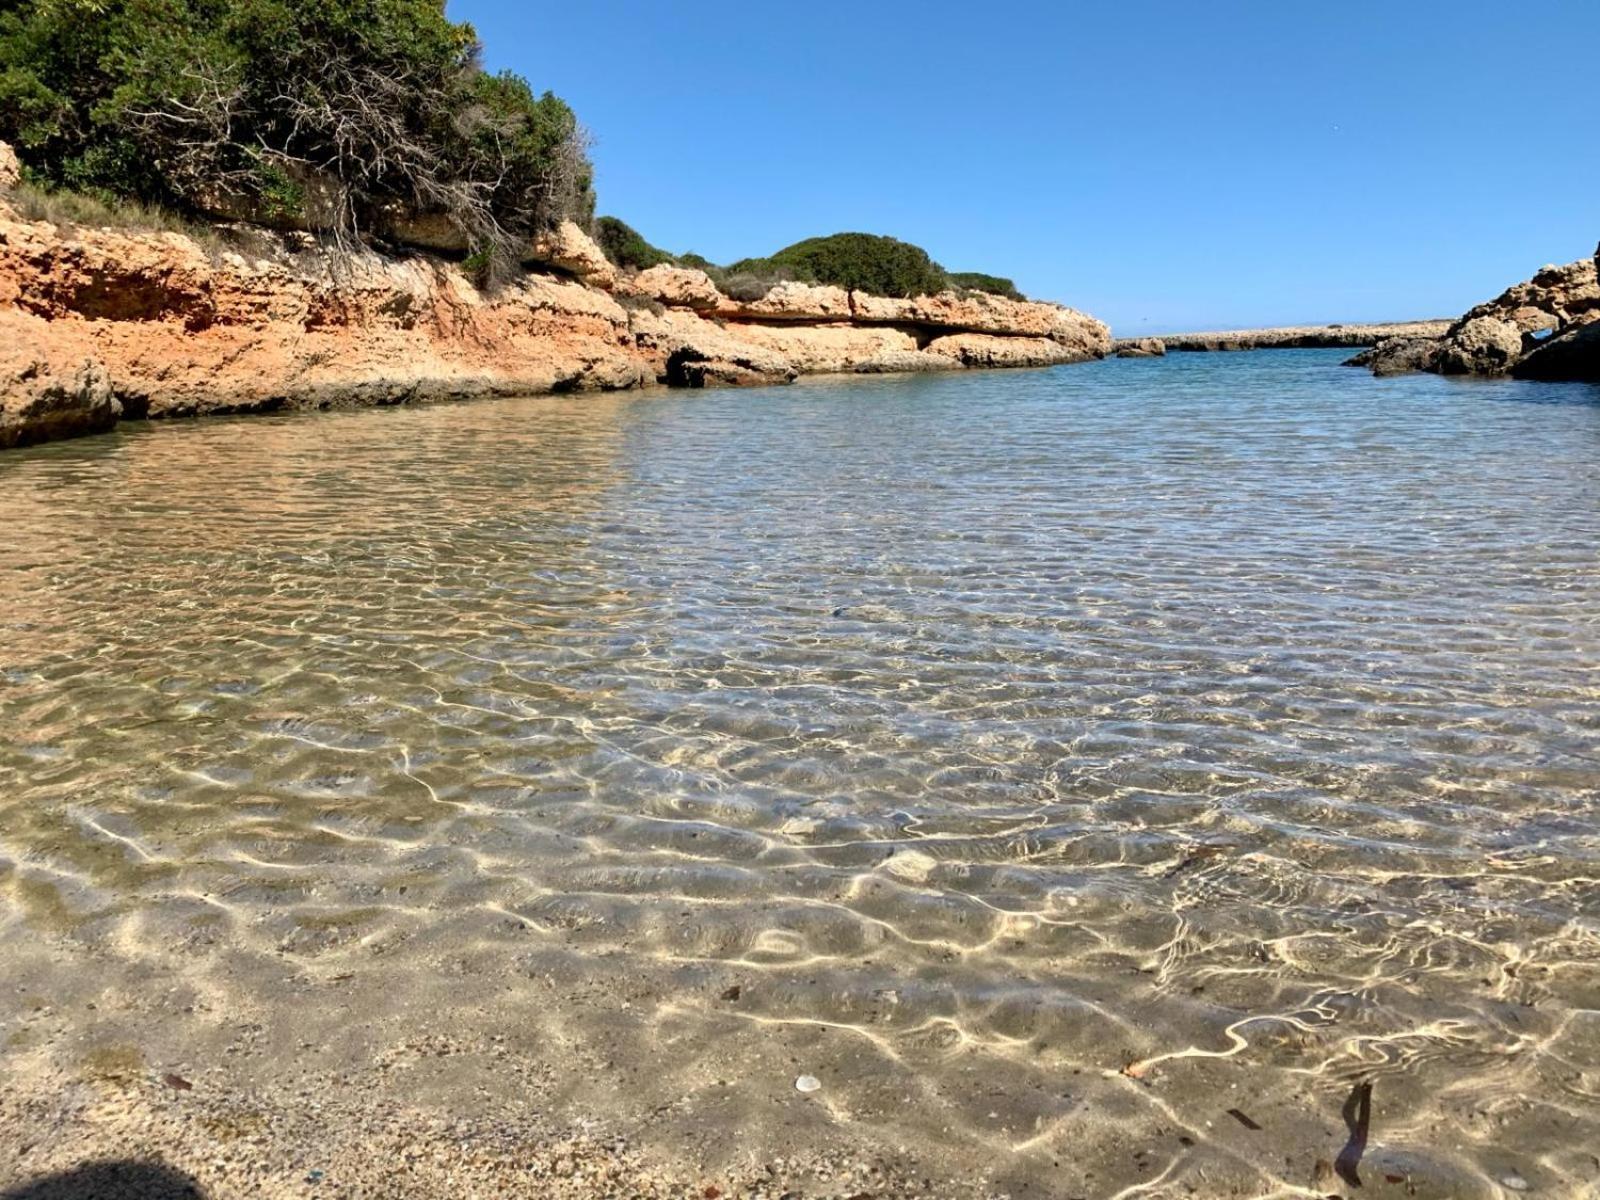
1544, 328
1140, 348
102, 324
1290, 337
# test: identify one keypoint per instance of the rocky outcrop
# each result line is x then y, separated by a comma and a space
1480, 346
675, 287
1540, 329
44, 397
1140, 348
179, 331
570, 250
97, 324
1571, 356
1293, 337
1555, 298
991, 350
1400, 356
10, 168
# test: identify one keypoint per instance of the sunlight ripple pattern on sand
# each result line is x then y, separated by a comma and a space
1075, 755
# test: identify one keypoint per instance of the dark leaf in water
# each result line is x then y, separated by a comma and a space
1243, 1118
1358, 1119
712, 1191
177, 1083
1395, 1178
733, 993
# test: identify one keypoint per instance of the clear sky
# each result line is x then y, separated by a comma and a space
1164, 164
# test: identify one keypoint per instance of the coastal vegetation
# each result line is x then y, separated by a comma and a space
863, 262
330, 117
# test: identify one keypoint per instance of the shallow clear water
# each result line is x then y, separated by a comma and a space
1232, 717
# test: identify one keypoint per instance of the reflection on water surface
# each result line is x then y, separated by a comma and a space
1048, 762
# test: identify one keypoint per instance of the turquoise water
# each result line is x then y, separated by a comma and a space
1049, 762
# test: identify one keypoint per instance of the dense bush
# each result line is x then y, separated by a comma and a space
977, 281
864, 262
326, 114
626, 247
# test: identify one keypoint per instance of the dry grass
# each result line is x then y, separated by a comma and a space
81, 211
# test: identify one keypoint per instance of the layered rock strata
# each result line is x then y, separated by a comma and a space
101, 324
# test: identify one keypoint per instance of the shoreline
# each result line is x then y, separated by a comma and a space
98, 325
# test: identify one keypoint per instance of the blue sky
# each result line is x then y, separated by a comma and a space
1165, 165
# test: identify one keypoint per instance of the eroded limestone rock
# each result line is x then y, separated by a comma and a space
1481, 346
44, 396
570, 249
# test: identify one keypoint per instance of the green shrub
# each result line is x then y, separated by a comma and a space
864, 262
977, 281
326, 114
626, 247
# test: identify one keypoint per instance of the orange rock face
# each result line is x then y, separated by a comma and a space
100, 324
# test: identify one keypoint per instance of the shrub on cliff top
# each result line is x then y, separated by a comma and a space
866, 262
626, 247
977, 281
327, 114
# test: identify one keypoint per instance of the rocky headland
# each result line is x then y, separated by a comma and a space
1290, 337
1546, 328
102, 324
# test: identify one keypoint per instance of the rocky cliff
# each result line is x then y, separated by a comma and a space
1545, 328
97, 325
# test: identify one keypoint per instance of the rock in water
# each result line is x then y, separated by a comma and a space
1574, 355
1481, 346
1400, 356
1141, 348
45, 396
807, 1084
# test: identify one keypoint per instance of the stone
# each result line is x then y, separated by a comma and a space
988, 350
572, 251
10, 168
1557, 297
1141, 348
426, 231
1570, 356
793, 302
44, 397
1400, 356
1481, 346
676, 287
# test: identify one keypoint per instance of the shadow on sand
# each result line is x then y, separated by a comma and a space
114, 1180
